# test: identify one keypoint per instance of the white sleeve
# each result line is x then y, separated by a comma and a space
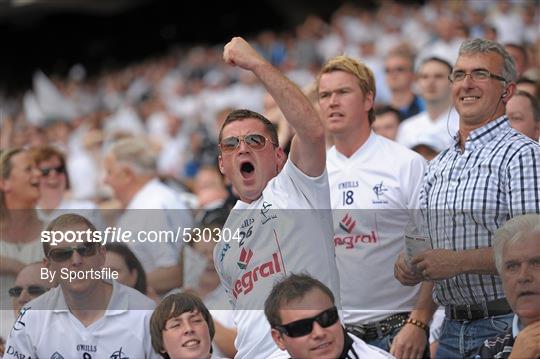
314, 190
412, 178
19, 344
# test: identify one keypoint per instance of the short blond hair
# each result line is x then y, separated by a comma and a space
365, 77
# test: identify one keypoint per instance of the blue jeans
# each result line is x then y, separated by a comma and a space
385, 342
461, 339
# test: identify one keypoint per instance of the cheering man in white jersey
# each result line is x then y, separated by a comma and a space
374, 185
85, 316
270, 243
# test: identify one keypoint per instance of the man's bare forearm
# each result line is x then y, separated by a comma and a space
292, 102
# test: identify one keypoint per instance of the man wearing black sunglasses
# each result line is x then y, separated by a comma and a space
282, 221
28, 286
305, 322
83, 317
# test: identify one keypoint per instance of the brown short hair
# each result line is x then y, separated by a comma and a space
364, 75
172, 306
243, 114
44, 153
293, 287
66, 221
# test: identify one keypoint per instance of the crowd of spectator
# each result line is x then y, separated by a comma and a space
137, 148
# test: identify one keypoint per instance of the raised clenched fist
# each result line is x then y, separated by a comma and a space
239, 53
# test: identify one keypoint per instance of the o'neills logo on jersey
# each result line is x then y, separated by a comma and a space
246, 283
350, 241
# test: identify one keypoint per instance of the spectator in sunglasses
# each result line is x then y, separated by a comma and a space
182, 328
110, 319
28, 286
54, 188
19, 223
268, 184
305, 322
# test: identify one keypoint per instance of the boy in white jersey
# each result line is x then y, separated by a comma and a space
272, 242
82, 317
374, 186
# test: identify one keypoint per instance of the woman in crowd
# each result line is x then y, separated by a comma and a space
20, 226
54, 185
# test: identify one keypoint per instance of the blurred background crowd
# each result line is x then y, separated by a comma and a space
175, 100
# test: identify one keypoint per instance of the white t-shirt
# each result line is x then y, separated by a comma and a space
287, 230
156, 207
373, 193
440, 132
360, 349
47, 329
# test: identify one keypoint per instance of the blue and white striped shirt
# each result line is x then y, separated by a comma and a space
467, 196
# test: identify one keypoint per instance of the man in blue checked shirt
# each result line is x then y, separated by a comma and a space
488, 176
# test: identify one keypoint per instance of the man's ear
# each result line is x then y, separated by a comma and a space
509, 91
278, 339
281, 158
127, 173
220, 162
4, 185
368, 101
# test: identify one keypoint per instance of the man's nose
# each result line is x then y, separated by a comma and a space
24, 297
524, 274
242, 146
317, 331
76, 258
333, 99
188, 328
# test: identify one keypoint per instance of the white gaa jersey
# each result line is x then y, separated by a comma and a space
373, 192
45, 328
355, 348
287, 230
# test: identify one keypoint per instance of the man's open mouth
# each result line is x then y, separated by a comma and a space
247, 169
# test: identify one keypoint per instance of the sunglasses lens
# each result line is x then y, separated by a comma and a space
15, 291
60, 170
328, 317
87, 250
305, 326
299, 328
61, 254
36, 290
229, 144
256, 142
